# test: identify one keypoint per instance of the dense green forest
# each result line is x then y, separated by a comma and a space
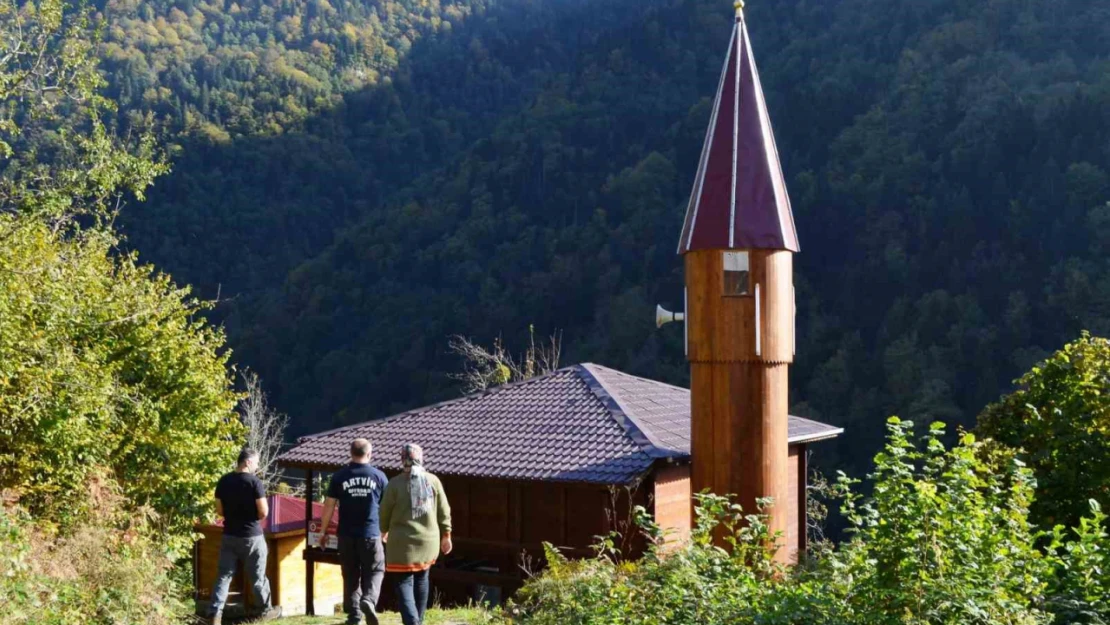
516, 164
358, 180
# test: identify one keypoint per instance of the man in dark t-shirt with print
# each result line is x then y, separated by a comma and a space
357, 489
241, 501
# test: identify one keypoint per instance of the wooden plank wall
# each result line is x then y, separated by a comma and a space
794, 507
739, 430
487, 508
206, 560
290, 587
585, 515
545, 505
516, 515
501, 525
673, 502
802, 488
722, 328
285, 569
289, 591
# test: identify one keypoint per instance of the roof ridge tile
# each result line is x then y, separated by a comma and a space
621, 415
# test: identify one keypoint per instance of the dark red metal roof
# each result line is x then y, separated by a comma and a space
287, 514
739, 200
584, 423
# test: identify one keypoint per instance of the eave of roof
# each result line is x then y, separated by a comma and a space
829, 432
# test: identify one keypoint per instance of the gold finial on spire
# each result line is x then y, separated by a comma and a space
739, 6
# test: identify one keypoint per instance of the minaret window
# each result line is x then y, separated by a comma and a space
737, 276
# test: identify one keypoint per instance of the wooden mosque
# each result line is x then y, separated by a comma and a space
563, 457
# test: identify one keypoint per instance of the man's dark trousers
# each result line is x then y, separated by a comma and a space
363, 564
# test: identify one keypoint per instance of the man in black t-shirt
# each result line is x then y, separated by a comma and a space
241, 501
357, 488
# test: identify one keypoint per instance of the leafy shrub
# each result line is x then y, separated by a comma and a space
1060, 417
104, 362
1080, 590
699, 582
110, 569
944, 539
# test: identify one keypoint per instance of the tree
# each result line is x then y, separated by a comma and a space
105, 363
543, 178
1059, 417
58, 160
265, 429
484, 368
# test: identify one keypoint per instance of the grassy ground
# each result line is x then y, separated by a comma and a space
433, 617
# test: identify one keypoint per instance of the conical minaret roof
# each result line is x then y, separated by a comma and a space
739, 199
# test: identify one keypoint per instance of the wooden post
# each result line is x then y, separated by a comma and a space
197, 564
310, 564
273, 569
803, 501
516, 516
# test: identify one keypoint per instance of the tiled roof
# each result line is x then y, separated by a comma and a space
584, 423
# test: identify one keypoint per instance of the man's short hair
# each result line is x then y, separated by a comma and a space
360, 448
246, 454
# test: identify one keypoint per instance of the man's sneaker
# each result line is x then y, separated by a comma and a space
371, 618
270, 613
353, 620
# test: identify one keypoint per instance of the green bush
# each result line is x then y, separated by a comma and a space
699, 582
111, 569
1079, 592
104, 362
944, 539
1060, 417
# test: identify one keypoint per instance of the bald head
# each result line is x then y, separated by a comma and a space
360, 450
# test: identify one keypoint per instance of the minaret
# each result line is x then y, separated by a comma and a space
738, 243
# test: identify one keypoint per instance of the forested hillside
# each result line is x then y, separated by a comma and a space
230, 69
359, 180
